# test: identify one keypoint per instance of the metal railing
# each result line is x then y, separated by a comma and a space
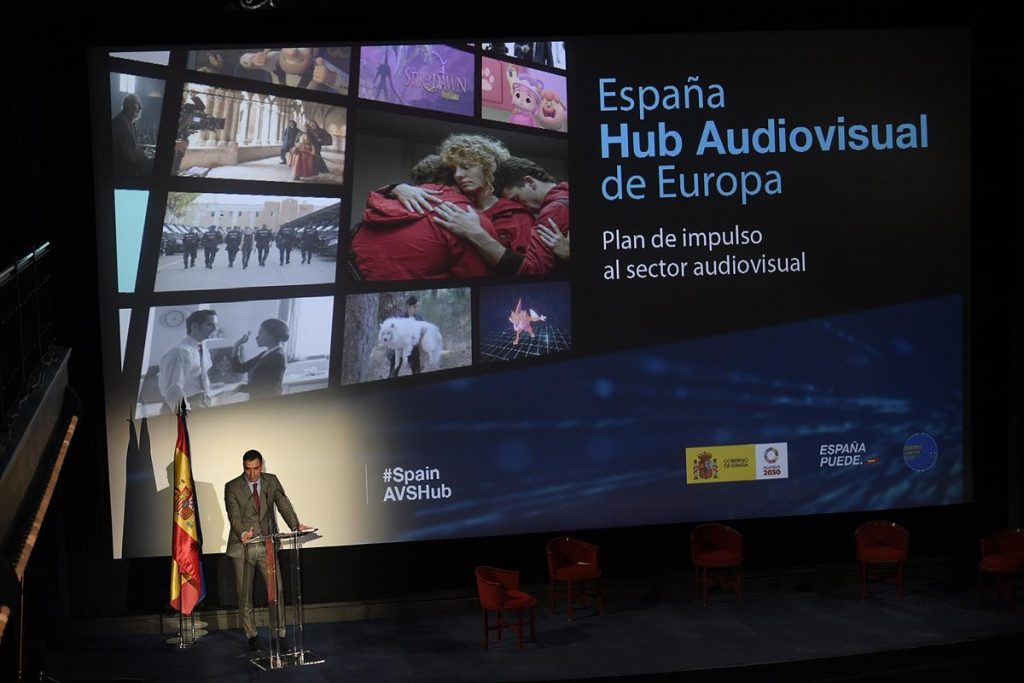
26, 326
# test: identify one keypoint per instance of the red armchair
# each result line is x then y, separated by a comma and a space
883, 545
720, 547
499, 590
574, 561
1002, 554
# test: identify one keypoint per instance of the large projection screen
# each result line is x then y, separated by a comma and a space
756, 310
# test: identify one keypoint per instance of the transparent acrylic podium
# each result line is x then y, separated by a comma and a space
291, 542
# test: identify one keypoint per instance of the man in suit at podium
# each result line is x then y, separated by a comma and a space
250, 500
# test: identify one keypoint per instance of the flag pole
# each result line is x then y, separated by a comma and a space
181, 615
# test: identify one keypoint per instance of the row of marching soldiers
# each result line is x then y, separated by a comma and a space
237, 239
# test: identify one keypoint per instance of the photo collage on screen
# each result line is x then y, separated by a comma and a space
404, 208
460, 209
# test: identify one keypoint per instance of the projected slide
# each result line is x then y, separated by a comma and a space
536, 324
436, 77
523, 96
323, 69
246, 241
756, 309
235, 352
418, 332
248, 135
472, 195
135, 102
546, 54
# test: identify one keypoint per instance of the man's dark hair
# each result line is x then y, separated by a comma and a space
198, 318
411, 301
513, 171
429, 169
252, 454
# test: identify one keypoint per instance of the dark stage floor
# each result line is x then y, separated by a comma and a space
822, 634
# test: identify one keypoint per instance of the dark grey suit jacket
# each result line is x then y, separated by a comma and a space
242, 509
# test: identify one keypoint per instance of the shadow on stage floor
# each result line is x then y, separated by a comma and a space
825, 633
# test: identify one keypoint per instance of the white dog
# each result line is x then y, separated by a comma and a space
404, 334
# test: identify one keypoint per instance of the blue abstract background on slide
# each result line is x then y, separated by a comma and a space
600, 441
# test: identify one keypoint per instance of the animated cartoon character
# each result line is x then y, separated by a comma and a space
525, 97
551, 113
300, 67
522, 320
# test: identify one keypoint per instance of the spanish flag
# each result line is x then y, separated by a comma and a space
188, 585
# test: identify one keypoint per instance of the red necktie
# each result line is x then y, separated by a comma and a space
256, 496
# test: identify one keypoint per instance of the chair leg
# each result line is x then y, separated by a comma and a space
552, 594
704, 576
863, 581
486, 630
499, 625
519, 627
568, 593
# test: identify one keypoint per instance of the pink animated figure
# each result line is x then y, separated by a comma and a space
525, 97
522, 320
552, 113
